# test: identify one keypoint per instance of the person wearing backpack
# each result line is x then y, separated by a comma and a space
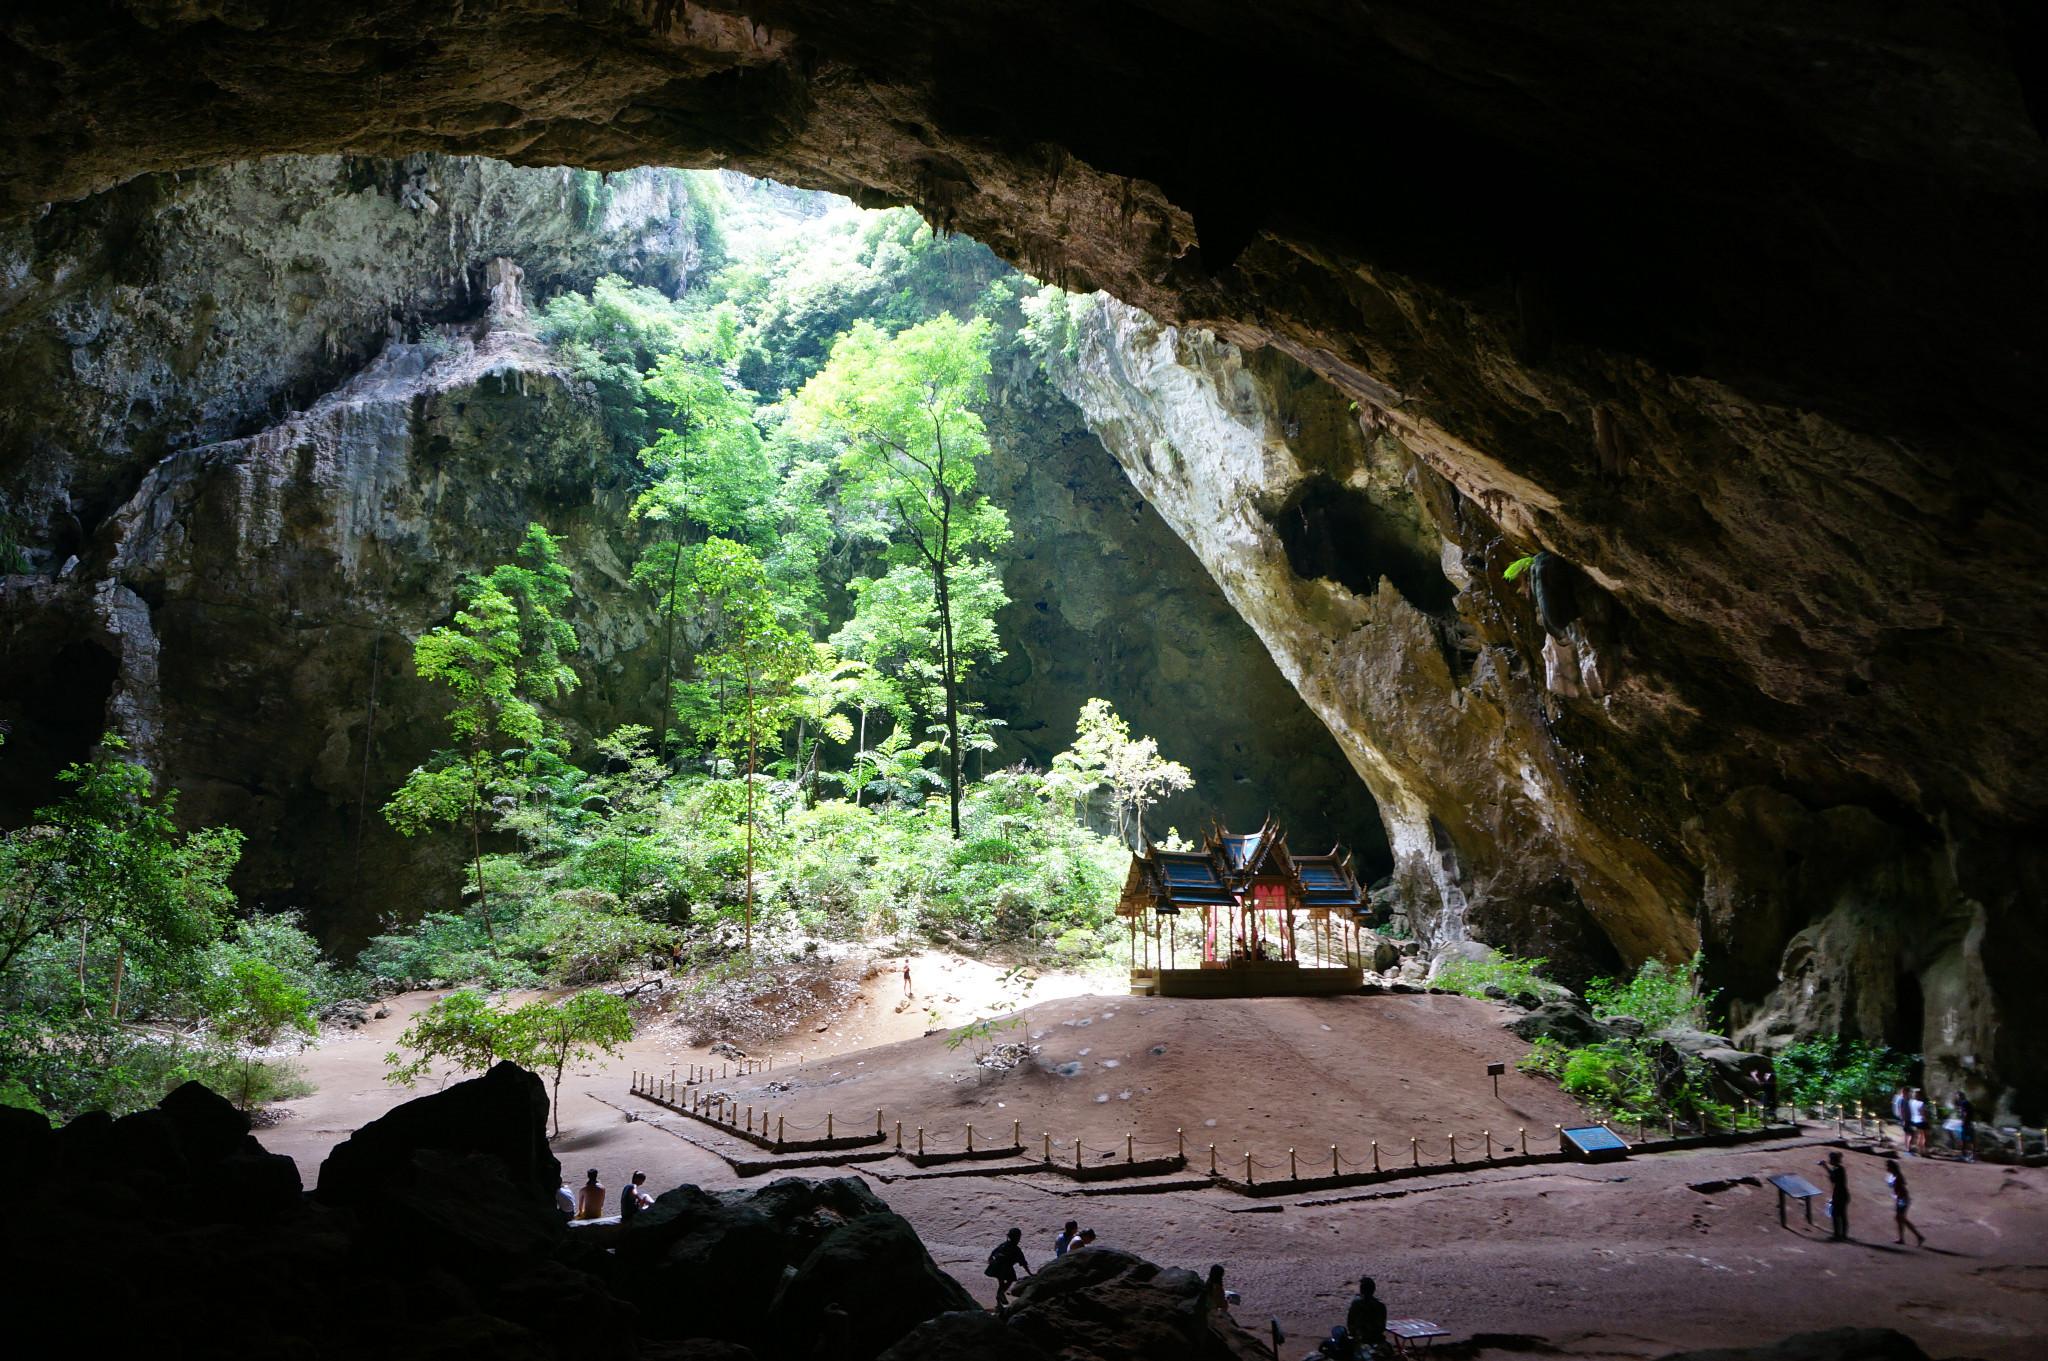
1003, 1264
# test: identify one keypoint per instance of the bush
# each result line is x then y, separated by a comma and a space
1831, 1070
1472, 976
1657, 995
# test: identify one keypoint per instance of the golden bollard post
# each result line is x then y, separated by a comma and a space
899, 1136
1128, 1157
1375, 1155
1077, 1155
1525, 1141
1247, 1169
1017, 1134
1334, 1171
1293, 1171
1489, 1144
1454, 1150
1415, 1151
750, 1119
1212, 1160
1672, 1118
1048, 1148
1560, 1138
970, 1136
778, 1129
920, 1141
1180, 1144
828, 1124
878, 1124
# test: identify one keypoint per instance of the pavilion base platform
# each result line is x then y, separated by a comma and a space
1248, 980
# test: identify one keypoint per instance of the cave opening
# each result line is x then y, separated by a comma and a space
1341, 534
53, 703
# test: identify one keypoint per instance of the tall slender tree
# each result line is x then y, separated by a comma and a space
904, 411
505, 651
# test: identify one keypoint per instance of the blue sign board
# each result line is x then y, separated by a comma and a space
1592, 1140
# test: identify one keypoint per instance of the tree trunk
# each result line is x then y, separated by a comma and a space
945, 602
747, 919
120, 970
668, 654
483, 902
858, 747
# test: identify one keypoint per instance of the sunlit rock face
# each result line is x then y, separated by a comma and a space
1741, 318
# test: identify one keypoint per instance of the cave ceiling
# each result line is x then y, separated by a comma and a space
1739, 310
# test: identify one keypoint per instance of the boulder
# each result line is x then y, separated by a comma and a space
1567, 1021
502, 1115
881, 1280
969, 1335
1104, 1305
209, 1127
1835, 1344
461, 1212
733, 1247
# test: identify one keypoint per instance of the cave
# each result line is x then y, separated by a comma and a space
1343, 536
1733, 322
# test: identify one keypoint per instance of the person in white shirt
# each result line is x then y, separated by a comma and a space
1916, 1111
565, 1201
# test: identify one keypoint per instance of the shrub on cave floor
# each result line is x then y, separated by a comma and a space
1834, 1070
1657, 994
1510, 973
1633, 1081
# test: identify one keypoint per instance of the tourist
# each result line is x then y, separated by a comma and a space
1003, 1264
1838, 1195
1916, 1111
1066, 1239
1966, 1126
906, 978
1366, 1319
1218, 1297
634, 1198
565, 1201
1086, 1240
1769, 1082
1902, 1201
590, 1197
1899, 1114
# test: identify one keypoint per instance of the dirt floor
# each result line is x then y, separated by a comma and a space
1626, 1260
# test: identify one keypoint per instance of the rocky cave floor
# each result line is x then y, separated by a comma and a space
1639, 1259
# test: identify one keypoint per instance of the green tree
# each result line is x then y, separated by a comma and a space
903, 410
462, 1029
1105, 754
249, 1004
710, 469
549, 1036
506, 649
752, 650
107, 860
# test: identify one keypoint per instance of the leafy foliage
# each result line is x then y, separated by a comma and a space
1835, 1070
1657, 995
465, 1032
1512, 975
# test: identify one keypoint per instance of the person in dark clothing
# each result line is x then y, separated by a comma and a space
1003, 1264
1902, 1203
1838, 1195
1966, 1126
634, 1198
1365, 1322
1066, 1239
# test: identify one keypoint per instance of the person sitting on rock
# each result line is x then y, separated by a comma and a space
634, 1198
590, 1197
1066, 1239
1213, 1291
1086, 1239
1365, 1321
1003, 1264
565, 1201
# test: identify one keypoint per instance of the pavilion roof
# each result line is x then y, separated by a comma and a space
1216, 875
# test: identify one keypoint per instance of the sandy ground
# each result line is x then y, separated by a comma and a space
1623, 1260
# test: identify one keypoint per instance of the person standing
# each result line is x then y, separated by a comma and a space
1838, 1195
590, 1197
1003, 1264
1916, 1111
1966, 1126
906, 978
1899, 1114
1902, 1201
1066, 1239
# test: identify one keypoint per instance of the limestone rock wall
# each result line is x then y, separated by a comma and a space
1544, 775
